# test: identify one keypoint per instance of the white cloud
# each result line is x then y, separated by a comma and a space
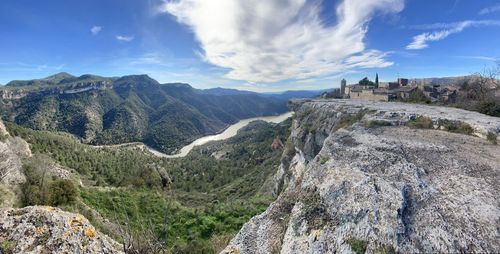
95, 30
490, 9
124, 38
268, 41
421, 41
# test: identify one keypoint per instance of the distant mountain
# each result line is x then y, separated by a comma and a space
444, 81
287, 95
128, 109
219, 91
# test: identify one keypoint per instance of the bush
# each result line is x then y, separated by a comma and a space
63, 192
417, 97
492, 137
348, 121
489, 107
7, 247
358, 246
421, 122
377, 123
456, 127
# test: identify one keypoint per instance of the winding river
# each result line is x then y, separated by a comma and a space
229, 132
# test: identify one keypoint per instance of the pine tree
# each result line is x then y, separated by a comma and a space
376, 80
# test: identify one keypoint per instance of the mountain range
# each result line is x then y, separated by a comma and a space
136, 108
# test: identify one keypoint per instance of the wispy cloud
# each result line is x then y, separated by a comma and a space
125, 38
95, 30
269, 41
421, 41
491, 9
485, 58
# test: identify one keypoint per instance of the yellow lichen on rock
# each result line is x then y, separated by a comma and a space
75, 222
89, 232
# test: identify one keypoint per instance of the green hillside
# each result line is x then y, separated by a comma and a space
208, 196
129, 109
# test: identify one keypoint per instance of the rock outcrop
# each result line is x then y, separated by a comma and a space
12, 150
40, 229
354, 179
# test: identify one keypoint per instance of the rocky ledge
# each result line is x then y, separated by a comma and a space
367, 177
40, 229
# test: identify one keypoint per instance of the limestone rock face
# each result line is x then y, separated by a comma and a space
12, 150
40, 229
3, 130
351, 187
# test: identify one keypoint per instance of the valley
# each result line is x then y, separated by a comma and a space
106, 111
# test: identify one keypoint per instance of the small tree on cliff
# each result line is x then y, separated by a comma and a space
376, 80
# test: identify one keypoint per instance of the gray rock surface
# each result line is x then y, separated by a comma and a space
12, 150
349, 187
40, 229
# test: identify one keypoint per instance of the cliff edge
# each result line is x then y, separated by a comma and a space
370, 177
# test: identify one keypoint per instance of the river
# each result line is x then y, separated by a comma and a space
229, 132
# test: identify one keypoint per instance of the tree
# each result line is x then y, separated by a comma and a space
366, 82
376, 80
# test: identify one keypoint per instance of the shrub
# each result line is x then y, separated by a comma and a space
456, 127
377, 123
7, 247
386, 249
63, 192
421, 122
492, 137
348, 121
289, 148
358, 246
323, 159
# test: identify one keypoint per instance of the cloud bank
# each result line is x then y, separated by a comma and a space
421, 41
269, 41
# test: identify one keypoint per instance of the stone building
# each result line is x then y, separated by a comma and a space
343, 84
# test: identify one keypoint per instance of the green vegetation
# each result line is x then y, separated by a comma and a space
421, 122
366, 82
123, 167
417, 96
183, 229
347, 121
209, 195
323, 159
377, 123
136, 108
385, 249
313, 211
42, 188
456, 127
358, 246
492, 137
7, 247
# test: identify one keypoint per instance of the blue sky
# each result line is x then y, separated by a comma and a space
249, 44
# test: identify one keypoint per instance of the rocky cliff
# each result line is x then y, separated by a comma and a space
368, 177
38, 229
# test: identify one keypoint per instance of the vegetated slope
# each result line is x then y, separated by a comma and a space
193, 204
26, 178
373, 177
127, 109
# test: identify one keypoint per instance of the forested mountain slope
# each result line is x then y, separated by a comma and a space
128, 109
